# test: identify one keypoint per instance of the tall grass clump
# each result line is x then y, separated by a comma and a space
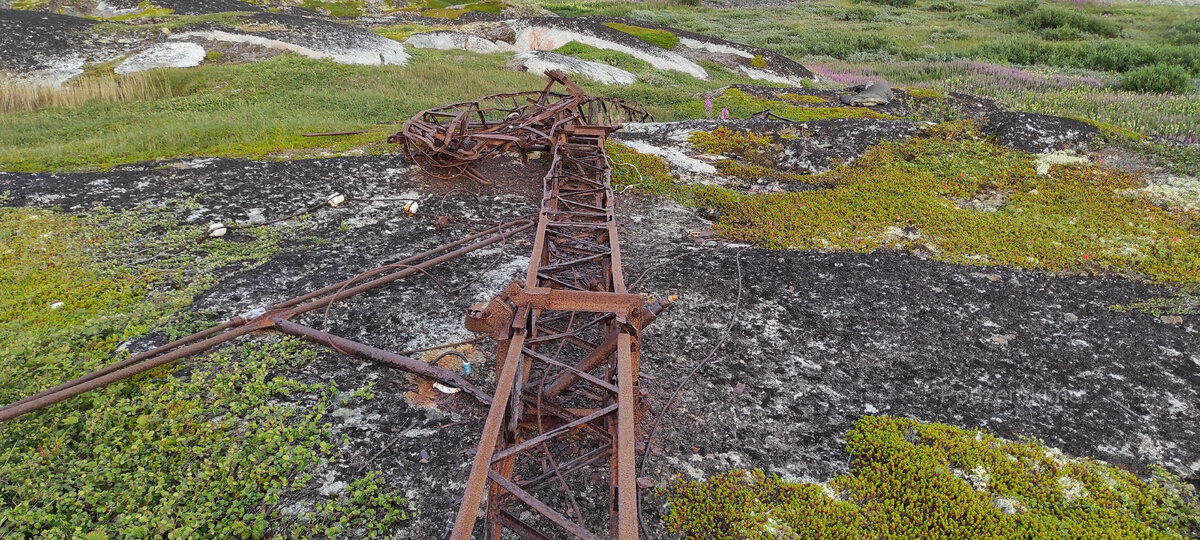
15, 97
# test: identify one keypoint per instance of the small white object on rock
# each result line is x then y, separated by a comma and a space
446, 389
539, 62
336, 199
216, 230
411, 208
163, 55
57, 305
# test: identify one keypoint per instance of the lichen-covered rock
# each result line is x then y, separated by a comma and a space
448, 40
307, 36
1038, 133
539, 62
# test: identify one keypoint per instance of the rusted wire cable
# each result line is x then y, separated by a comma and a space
737, 307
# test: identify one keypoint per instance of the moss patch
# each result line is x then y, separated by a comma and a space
797, 98
351, 8
742, 105
917, 195
661, 38
925, 94
914, 480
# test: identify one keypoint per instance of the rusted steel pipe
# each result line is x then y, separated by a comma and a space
128, 371
236, 321
151, 359
429, 371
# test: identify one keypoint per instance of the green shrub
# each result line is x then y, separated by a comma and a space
1016, 8
938, 36
1158, 79
895, 3
1117, 56
1185, 33
1062, 33
947, 6
858, 13
1050, 17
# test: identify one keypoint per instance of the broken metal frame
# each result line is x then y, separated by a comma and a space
566, 395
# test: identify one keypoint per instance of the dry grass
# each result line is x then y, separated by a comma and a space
15, 97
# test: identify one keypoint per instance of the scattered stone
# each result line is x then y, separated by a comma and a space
1171, 319
539, 62
1002, 339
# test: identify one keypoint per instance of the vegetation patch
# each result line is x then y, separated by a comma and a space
915, 480
209, 451
488, 6
797, 98
928, 94
351, 8
605, 56
742, 105
1158, 79
661, 38
916, 195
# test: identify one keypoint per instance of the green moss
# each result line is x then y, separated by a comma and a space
1113, 134
1070, 219
797, 98
661, 38
402, 31
1186, 302
925, 94
758, 62
351, 8
742, 105
604, 56
907, 481
488, 6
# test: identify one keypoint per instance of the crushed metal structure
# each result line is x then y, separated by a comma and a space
566, 400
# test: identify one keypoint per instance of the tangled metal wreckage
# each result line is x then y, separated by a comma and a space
566, 401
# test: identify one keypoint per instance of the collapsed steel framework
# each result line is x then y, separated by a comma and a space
566, 396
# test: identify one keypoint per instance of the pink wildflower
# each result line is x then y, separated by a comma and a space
724, 114
708, 106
